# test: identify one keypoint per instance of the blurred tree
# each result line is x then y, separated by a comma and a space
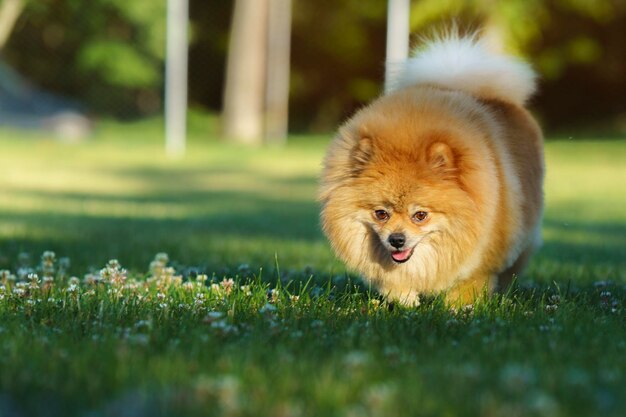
10, 10
257, 77
244, 91
107, 52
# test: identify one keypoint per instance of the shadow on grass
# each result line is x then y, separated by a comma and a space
184, 212
192, 215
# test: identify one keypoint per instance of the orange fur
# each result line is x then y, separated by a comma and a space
474, 164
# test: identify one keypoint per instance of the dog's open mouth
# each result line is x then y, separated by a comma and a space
402, 256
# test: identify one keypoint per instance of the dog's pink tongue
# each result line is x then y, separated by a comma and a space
401, 255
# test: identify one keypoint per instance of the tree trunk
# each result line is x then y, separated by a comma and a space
10, 11
278, 52
246, 73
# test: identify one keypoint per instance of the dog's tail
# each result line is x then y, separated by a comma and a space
466, 64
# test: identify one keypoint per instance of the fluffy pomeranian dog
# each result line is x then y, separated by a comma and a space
437, 185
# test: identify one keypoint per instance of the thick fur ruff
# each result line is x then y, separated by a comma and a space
449, 161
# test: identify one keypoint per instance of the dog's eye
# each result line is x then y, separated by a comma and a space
381, 215
420, 216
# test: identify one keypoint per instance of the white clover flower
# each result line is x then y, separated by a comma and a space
356, 359
64, 263
213, 316
224, 327
201, 278
72, 288
92, 279
162, 257
74, 280
317, 324
19, 291
274, 296
246, 290
216, 288
227, 285
267, 309
189, 286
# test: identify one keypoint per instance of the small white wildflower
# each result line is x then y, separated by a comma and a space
213, 316
199, 299
227, 285
162, 257
143, 324
294, 298
163, 305
356, 359
202, 278
215, 288
245, 289
19, 291
72, 288
2, 297
189, 286
551, 308
74, 280
317, 324
274, 296
267, 309
224, 327
160, 296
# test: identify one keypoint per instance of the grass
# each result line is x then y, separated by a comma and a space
304, 339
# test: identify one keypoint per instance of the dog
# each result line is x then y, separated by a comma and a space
437, 185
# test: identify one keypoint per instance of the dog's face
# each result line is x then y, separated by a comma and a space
407, 201
401, 229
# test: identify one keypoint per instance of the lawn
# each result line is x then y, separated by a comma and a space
251, 315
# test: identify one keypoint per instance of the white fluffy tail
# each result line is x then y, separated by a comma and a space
466, 64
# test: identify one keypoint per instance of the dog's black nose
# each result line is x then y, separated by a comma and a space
396, 240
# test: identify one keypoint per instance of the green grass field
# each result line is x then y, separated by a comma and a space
300, 339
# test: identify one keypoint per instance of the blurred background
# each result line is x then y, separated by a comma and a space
106, 58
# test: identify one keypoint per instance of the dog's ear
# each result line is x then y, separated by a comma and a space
361, 154
441, 157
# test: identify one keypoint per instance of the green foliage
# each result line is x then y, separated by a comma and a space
119, 64
108, 53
